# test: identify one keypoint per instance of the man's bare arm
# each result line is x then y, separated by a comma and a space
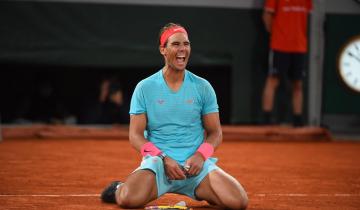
136, 131
268, 19
213, 129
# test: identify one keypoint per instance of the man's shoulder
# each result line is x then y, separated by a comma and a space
200, 81
150, 80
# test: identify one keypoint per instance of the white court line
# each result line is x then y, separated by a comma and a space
255, 194
39, 195
306, 195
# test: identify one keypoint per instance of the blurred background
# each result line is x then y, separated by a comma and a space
66, 61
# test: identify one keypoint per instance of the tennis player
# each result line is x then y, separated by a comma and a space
169, 112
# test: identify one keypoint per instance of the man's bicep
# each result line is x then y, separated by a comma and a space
212, 127
211, 121
137, 123
136, 130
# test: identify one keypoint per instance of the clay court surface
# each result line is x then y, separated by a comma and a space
63, 171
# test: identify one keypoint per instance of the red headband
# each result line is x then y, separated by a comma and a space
170, 31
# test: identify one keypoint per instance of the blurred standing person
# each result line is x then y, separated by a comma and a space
91, 109
104, 89
286, 21
109, 106
114, 109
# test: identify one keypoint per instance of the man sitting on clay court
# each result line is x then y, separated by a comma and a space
169, 112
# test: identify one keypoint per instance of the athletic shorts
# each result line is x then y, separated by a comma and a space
291, 65
185, 187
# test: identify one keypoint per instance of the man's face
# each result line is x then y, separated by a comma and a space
177, 51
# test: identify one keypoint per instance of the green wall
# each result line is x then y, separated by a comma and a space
122, 36
337, 98
115, 36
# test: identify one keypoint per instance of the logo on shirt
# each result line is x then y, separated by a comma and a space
294, 9
189, 101
161, 101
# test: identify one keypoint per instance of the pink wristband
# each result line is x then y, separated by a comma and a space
150, 149
206, 150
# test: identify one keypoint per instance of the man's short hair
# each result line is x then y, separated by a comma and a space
167, 26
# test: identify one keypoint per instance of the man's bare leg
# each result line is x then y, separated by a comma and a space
138, 190
223, 190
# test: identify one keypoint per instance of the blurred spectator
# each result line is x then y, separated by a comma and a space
108, 108
40, 105
113, 108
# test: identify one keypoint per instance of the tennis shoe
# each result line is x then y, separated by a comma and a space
108, 195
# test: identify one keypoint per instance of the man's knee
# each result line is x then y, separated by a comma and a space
238, 202
272, 82
224, 190
126, 199
237, 199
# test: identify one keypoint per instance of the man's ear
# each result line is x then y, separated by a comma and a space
162, 50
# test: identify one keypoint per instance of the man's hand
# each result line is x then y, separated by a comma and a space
173, 170
194, 164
